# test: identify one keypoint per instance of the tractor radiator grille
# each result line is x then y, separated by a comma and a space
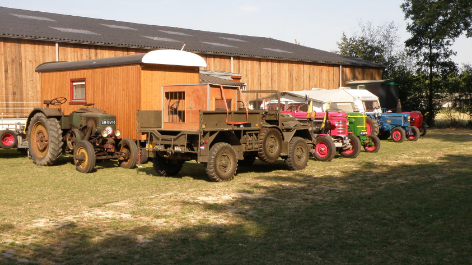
341, 127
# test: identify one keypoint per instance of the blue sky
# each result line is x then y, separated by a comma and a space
316, 23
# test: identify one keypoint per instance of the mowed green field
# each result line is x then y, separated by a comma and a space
410, 203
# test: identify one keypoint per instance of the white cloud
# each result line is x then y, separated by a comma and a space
249, 8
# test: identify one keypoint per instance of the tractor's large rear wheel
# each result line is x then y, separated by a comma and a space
129, 151
298, 154
44, 139
355, 149
84, 156
324, 148
270, 145
166, 167
372, 144
413, 134
372, 126
8, 139
222, 163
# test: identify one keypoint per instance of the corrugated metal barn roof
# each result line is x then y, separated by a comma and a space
24, 24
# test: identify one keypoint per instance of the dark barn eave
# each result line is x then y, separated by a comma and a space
35, 25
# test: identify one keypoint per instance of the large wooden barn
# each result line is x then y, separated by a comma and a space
30, 38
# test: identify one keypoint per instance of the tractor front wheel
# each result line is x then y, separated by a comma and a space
44, 139
298, 154
324, 148
84, 157
423, 129
355, 149
398, 134
222, 163
413, 134
372, 144
129, 152
8, 139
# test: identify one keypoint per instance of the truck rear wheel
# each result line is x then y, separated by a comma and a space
166, 167
413, 134
8, 139
270, 145
129, 149
222, 163
372, 144
398, 134
44, 139
324, 148
297, 154
372, 126
355, 149
84, 157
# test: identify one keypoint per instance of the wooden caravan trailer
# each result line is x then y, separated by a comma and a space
119, 85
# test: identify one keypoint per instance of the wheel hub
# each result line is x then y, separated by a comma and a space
41, 140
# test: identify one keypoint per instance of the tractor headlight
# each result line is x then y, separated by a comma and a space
117, 133
108, 131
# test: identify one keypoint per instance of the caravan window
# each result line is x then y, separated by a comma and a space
77, 91
371, 106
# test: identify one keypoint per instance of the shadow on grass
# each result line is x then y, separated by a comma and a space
403, 214
448, 135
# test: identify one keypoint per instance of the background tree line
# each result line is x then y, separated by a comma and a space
422, 65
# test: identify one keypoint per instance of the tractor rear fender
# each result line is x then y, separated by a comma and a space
48, 112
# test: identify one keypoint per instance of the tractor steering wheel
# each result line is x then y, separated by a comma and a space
58, 101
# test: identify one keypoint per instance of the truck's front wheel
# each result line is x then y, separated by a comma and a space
270, 145
44, 139
222, 163
297, 154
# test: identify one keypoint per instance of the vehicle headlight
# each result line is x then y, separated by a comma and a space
117, 133
108, 131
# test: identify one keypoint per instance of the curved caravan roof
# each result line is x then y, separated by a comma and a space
161, 57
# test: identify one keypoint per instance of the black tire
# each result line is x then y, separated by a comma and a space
270, 145
398, 135
144, 156
374, 124
247, 161
413, 134
298, 154
166, 167
222, 163
8, 139
384, 135
355, 149
84, 157
324, 148
372, 144
44, 140
129, 148
423, 129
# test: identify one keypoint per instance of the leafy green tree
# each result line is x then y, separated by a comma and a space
434, 26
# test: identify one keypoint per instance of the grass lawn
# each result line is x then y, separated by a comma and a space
410, 203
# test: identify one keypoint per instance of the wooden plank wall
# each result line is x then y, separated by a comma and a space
118, 96
289, 75
20, 83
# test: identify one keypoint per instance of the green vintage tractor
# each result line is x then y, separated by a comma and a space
357, 125
88, 133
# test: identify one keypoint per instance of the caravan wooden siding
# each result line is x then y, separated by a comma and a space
117, 96
153, 77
